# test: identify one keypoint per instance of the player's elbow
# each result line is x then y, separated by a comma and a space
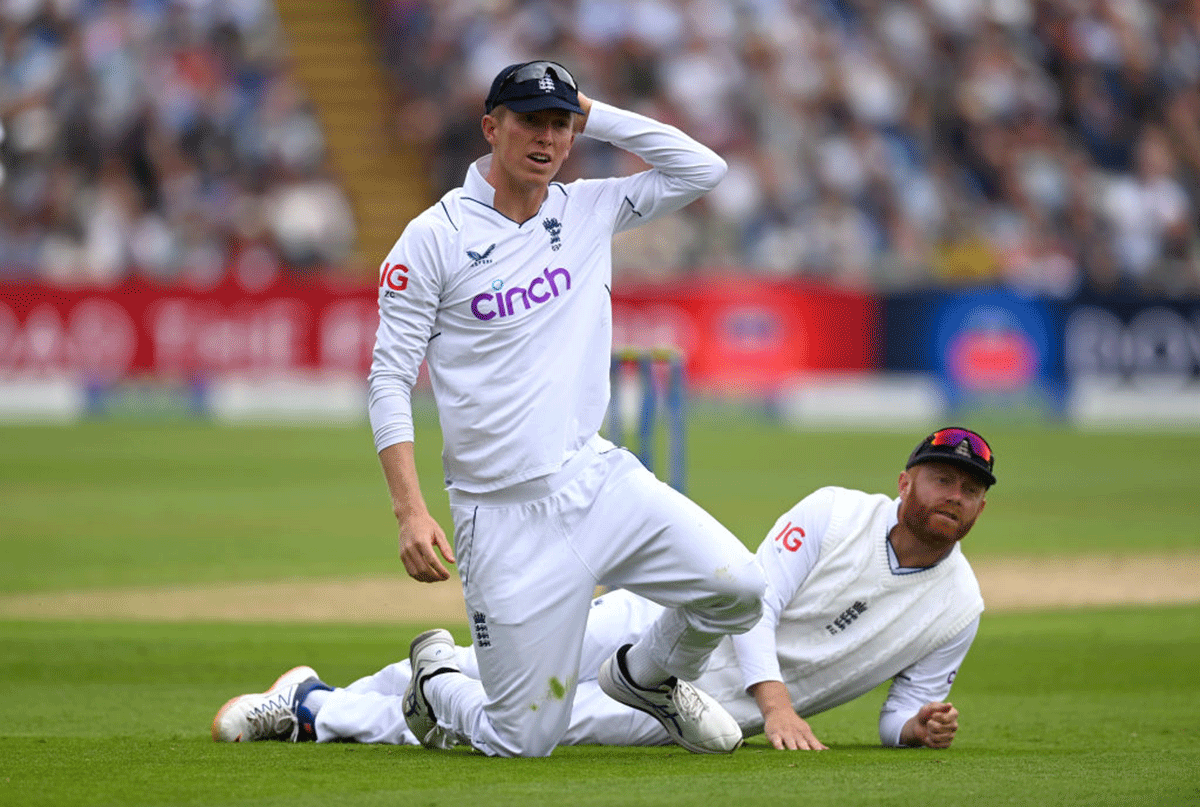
384, 381
715, 171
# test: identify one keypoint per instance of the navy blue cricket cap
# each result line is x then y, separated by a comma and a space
957, 446
530, 86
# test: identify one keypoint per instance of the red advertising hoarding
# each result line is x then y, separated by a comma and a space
140, 329
743, 334
739, 334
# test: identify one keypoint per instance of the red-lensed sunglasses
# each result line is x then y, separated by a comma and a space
952, 437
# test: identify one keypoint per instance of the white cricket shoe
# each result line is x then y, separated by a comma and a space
691, 717
270, 715
431, 653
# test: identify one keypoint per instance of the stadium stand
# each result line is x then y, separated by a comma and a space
884, 144
876, 144
162, 139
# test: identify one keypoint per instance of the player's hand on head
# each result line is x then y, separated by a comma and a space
580, 121
421, 541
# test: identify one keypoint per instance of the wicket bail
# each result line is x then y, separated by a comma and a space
659, 379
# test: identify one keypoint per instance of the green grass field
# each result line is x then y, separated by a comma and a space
1083, 707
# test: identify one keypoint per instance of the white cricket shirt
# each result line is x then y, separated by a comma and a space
514, 318
840, 617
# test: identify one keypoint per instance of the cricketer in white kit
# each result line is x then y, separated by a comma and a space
840, 618
860, 588
513, 317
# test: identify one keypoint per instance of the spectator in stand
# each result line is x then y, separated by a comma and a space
1041, 122
898, 122
136, 128
1150, 217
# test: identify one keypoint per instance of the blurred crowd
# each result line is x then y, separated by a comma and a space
159, 138
1050, 145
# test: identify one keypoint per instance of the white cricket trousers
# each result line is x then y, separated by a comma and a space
371, 710
530, 557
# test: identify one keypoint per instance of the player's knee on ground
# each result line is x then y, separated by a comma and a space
524, 731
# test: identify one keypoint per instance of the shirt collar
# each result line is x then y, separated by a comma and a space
476, 186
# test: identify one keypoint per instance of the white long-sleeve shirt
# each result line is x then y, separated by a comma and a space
514, 318
840, 616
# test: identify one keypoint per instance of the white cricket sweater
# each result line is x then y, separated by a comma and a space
851, 622
514, 318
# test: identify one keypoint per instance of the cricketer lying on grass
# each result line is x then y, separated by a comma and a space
860, 588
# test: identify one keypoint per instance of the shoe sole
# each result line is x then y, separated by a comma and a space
423, 640
415, 648
284, 679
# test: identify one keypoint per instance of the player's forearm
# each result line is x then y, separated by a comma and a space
772, 698
404, 487
664, 147
909, 733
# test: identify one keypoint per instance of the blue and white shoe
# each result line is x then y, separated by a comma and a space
277, 714
431, 653
692, 718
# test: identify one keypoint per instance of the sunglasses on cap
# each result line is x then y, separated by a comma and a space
954, 436
536, 71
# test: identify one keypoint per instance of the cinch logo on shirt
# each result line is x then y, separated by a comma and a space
540, 290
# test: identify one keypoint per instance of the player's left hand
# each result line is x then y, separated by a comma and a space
935, 724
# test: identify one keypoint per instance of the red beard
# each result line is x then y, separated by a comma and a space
922, 522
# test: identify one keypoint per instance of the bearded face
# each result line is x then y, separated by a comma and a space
939, 503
